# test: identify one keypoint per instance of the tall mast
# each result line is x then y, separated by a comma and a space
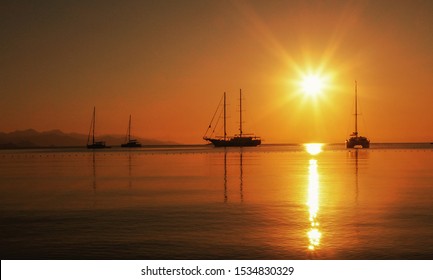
356, 108
240, 112
225, 130
94, 121
129, 129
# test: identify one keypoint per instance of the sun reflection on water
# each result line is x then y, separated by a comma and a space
314, 234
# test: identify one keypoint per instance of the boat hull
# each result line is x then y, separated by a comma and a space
131, 144
235, 142
97, 145
358, 142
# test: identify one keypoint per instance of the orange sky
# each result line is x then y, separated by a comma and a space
168, 62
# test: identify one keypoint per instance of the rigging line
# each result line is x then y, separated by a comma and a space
90, 130
126, 136
213, 117
88, 136
349, 122
364, 126
216, 124
360, 113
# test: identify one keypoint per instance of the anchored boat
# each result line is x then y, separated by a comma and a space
355, 140
131, 143
94, 144
238, 140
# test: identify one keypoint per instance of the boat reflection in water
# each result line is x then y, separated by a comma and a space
314, 234
241, 183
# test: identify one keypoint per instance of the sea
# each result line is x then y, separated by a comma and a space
197, 202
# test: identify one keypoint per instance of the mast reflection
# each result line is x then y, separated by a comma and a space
93, 183
355, 156
94, 172
129, 169
225, 175
241, 182
241, 177
356, 177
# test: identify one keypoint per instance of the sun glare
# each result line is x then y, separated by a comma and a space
312, 84
313, 148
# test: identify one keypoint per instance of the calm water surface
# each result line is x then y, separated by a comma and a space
269, 202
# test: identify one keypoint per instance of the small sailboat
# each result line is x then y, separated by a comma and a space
94, 144
355, 140
238, 140
131, 143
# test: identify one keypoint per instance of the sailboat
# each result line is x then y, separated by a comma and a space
238, 140
94, 144
356, 141
132, 143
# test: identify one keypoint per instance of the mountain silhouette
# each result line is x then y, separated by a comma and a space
31, 138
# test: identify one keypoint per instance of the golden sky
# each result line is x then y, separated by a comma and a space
168, 63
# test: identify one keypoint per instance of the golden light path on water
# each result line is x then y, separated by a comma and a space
313, 233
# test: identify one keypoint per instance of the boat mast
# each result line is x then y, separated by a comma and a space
240, 112
94, 121
129, 129
225, 128
356, 108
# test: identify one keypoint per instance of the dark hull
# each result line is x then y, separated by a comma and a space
97, 145
236, 142
358, 142
131, 144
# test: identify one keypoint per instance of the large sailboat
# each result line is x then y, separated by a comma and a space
355, 140
238, 140
91, 143
131, 143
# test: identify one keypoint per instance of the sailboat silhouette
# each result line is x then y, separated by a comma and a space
94, 144
356, 141
239, 140
131, 143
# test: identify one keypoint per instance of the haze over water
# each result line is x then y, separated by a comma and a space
199, 202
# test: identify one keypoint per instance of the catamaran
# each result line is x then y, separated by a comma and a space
238, 140
131, 143
94, 144
356, 141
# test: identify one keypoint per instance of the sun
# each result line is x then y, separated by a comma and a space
313, 148
312, 84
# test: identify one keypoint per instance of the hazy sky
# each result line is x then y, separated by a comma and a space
168, 63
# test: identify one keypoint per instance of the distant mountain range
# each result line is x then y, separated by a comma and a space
31, 138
